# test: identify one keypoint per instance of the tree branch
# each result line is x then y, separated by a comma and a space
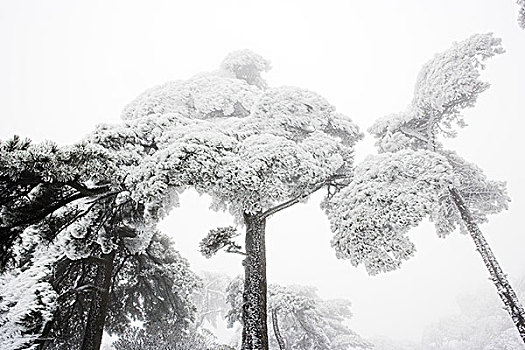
88, 191
413, 133
297, 199
230, 249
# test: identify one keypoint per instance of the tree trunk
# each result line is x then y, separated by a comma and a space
505, 291
278, 335
255, 329
99, 305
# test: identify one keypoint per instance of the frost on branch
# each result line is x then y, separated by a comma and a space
52, 163
445, 85
482, 195
219, 238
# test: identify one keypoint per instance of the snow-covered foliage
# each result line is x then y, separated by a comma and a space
248, 147
445, 85
27, 301
393, 192
69, 201
52, 163
409, 180
304, 319
38, 179
246, 65
149, 287
153, 286
217, 239
390, 194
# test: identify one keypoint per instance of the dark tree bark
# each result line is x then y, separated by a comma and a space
276, 330
255, 330
99, 305
505, 290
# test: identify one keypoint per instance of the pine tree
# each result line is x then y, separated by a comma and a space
255, 150
415, 177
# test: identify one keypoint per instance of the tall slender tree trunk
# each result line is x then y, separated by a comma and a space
255, 329
276, 330
99, 305
505, 291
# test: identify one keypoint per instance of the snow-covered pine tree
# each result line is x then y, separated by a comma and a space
37, 180
415, 177
74, 199
44, 189
255, 150
151, 287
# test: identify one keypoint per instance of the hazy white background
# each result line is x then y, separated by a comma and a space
66, 66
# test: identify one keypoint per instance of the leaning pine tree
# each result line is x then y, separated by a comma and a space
415, 177
255, 150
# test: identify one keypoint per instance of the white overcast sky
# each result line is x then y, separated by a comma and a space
66, 66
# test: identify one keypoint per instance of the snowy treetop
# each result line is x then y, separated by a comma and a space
246, 65
445, 85
248, 146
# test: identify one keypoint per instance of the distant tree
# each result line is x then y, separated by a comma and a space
385, 343
210, 298
521, 16
415, 177
301, 319
482, 325
255, 150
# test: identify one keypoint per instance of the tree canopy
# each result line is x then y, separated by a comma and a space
409, 180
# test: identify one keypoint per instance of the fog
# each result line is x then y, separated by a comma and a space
69, 65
